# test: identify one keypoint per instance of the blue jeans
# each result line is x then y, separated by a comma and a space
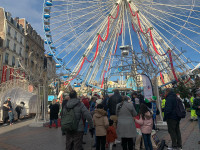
86, 127
147, 141
10, 114
55, 121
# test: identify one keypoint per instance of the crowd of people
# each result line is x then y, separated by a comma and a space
128, 120
8, 112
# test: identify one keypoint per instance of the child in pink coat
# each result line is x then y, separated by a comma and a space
146, 123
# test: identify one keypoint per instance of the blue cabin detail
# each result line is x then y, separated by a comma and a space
49, 3
46, 16
58, 65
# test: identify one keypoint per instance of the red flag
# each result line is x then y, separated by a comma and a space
3, 78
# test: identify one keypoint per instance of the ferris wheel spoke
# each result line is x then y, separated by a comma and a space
173, 6
97, 1
88, 38
155, 4
92, 43
144, 21
180, 40
176, 36
173, 15
81, 35
74, 19
74, 3
158, 30
81, 23
160, 18
107, 48
174, 47
75, 27
78, 10
166, 39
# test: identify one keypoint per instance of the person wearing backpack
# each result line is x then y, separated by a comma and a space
173, 121
72, 121
101, 124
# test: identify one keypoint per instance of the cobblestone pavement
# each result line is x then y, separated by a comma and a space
22, 137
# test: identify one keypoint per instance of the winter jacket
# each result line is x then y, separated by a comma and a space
100, 122
5, 111
18, 109
86, 103
9, 103
126, 125
146, 125
136, 124
170, 107
111, 134
196, 104
54, 110
112, 103
81, 113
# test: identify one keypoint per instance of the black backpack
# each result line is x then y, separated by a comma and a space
180, 109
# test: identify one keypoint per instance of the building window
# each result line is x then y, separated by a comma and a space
6, 58
8, 43
14, 47
15, 37
20, 51
9, 28
13, 61
21, 38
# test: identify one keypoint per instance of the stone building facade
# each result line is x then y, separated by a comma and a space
20, 46
12, 45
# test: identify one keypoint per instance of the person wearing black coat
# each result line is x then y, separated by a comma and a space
112, 104
54, 110
5, 112
113, 101
173, 121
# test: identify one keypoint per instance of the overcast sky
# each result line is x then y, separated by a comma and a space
29, 9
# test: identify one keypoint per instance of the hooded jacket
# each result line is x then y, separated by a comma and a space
100, 122
170, 107
146, 125
81, 113
113, 101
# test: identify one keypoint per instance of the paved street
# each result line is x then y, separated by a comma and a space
22, 137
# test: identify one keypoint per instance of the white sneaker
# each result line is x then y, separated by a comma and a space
117, 141
5, 124
171, 148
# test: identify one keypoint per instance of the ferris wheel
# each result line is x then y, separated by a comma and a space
94, 39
